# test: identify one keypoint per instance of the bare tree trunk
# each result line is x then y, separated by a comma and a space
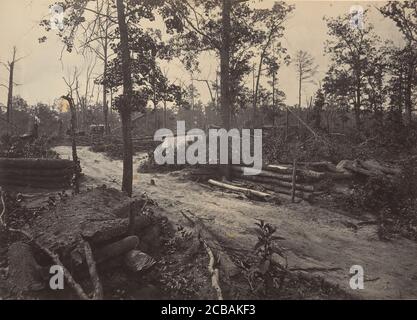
77, 167
105, 58
300, 83
273, 100
408, 105
105, 105
357, 107
287, 120
273, 89
299, 87
294, 178
10, 92
261, 60
165, 113
225, 73
126, 108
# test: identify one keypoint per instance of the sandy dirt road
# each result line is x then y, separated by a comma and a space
317, 240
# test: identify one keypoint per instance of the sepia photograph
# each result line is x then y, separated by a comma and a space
225, 151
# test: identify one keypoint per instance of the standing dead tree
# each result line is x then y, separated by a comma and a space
98, 34
85, 98
10, 66
70, 101
306, 70
90, 28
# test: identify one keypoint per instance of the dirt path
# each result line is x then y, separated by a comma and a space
316, 239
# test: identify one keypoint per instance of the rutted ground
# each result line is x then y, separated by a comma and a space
317, 240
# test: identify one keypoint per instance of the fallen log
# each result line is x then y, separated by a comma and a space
301, 195
280, 183
321, 166
263, 173
97, 287
35, 163
225, 264
258, 194
280, 168
373, 165
354, 166
214, 272
101, 231
116, 249
303, 172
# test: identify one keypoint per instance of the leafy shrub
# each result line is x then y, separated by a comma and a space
264, 249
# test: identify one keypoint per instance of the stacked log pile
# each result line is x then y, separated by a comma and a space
279, 179
39, 173
88, 229
305, 182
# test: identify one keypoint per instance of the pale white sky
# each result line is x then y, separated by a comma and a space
40, 72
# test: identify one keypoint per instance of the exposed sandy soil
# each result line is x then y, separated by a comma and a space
317, 240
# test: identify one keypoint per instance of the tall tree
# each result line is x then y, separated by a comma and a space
270, 50
10, 66
225, 63
306, 70
352, 50
318, 108
404, 14
401, 64
252, 34
98, 36
126, 101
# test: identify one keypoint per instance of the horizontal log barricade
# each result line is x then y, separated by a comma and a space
38, 173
